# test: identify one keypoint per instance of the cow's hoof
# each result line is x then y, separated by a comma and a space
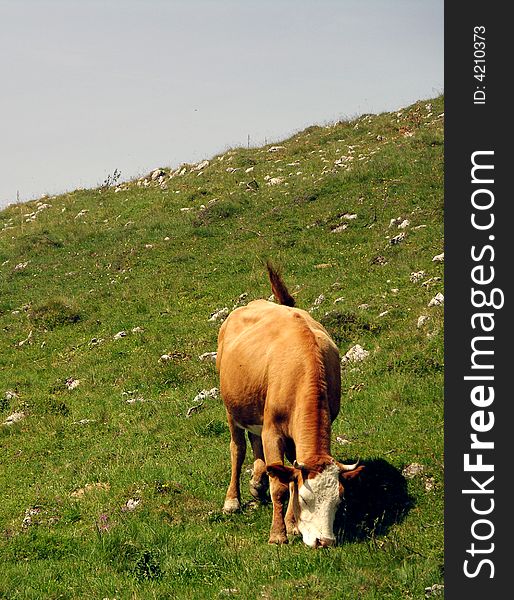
259, 491
292, 529
277, 538
231, 505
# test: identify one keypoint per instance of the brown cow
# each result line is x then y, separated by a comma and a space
280, 380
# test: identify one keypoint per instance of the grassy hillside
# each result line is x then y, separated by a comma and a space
113, 477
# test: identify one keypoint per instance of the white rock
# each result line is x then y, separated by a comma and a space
396, 221
137, 330
212, 393
405, 223
21, 266
397, 239
132, 504
276, 148
349, 216
410, 471
14, 418
438, 257
201, 165
422, 319
208, 357
71, 383
417, 276
120, 335
221, 313
155, 174
319, 300
249, 170
437, 300
355, 354
10, 395
340, 228
275, 180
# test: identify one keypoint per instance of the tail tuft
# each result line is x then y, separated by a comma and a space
278, 286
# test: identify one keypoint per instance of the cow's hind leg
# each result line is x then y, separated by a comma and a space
259, 483
237, 456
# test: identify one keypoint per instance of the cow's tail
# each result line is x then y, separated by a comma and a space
278, 286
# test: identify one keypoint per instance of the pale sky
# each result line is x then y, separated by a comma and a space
90, 86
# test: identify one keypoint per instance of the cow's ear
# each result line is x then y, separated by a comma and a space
346, 475
284, 473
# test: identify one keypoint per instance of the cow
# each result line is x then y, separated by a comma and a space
280, 381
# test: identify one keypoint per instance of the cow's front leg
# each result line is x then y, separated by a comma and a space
290, 519
237, 456
279, 491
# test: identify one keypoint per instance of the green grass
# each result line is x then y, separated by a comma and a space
134, 259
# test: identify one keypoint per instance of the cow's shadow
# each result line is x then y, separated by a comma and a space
374, 501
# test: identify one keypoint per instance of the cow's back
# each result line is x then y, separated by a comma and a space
267, 351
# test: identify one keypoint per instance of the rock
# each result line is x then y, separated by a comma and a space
430, 281
15, 417
318, 301
201, 165
275, 180
355, 354
71, 383
131, 504
156, 174
396, 221
219, 314
429, 484
252, 186
437, 300
397, 239
340, 228
434, 590
27, 340
422, 319
383, 313
120, 335
10, 395
438, 257
137, 330
405, 223
363, 306
343, 440
276, 148
204, 394
417, 276
21, 266
412, 470
90, 487
340, 299
349, 216
249, 170
208, 357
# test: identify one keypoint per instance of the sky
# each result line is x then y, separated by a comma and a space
90, 86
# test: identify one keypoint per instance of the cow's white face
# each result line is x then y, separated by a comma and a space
315, 505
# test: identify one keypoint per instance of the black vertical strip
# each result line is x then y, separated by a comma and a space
484, 540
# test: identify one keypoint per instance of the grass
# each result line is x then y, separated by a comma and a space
108, 489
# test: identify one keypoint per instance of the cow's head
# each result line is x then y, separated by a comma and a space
316, 490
